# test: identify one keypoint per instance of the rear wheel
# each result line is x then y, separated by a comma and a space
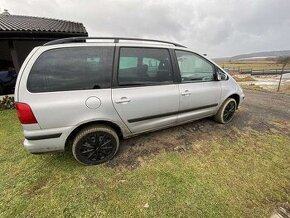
226, 112
95, 145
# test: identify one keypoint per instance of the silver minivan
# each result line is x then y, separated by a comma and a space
86, 94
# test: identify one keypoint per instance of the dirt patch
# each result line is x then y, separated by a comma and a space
252, 86
240, 78
37, 186
285, 87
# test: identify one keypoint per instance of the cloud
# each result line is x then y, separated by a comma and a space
218, 28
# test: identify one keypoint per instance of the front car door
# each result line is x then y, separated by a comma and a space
200, 92
145, 95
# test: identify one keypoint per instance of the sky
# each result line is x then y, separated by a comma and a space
218, 28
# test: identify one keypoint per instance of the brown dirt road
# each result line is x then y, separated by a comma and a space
260, 112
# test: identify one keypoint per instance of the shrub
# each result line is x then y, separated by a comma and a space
7, 103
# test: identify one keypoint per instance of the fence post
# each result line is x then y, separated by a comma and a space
280, 80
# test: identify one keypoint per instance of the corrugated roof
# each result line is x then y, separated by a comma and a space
19, 23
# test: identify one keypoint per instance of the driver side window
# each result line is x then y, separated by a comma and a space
194, 68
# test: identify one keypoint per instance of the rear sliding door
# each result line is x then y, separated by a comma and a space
145, 97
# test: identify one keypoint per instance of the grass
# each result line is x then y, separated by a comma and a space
246, 177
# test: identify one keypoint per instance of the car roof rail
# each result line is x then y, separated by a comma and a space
116, 40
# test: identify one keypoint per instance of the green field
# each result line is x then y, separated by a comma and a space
244, 177
254, 65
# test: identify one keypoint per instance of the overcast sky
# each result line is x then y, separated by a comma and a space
216, 27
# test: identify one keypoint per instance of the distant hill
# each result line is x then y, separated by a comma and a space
255, 55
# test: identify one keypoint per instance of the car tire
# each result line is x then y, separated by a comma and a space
95, 145
226, 111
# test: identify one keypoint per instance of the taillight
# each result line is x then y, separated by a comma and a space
25, 113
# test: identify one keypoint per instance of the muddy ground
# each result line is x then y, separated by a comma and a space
266, 82
261, 112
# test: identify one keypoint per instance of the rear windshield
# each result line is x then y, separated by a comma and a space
77, 68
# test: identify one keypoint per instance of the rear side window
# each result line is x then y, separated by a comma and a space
144, 66
77, 68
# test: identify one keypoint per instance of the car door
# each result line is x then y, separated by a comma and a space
145, 95
199, 89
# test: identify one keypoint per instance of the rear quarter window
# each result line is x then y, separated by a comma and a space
67, 69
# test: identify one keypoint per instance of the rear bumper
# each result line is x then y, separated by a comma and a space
40, 141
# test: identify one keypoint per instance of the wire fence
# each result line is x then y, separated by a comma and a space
256, 72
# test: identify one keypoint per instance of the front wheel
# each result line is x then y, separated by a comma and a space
95, 145
226, 112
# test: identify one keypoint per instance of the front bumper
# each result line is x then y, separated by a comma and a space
242, 98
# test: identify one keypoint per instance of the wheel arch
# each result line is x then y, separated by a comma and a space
236, 97
72, 135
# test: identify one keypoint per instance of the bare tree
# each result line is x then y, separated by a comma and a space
284, 61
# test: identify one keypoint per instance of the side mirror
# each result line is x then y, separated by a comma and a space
218, 76
221, 75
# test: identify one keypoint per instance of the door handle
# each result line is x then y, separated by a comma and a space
123, 100
186, 93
